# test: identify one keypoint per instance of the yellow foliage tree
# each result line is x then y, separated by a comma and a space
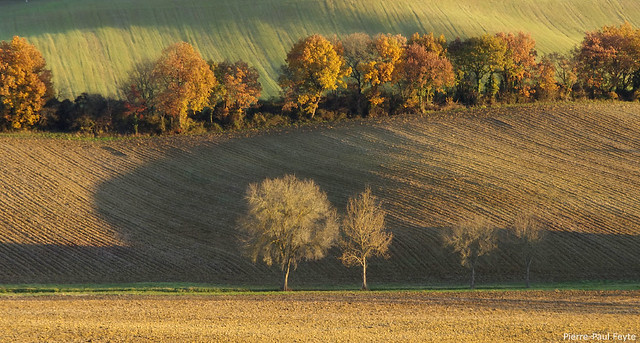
313, 68
24, 83
431, 43
385, 67
185, 82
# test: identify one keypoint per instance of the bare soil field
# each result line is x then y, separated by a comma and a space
534, 316
165, 209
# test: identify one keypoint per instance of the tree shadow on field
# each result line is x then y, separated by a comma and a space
562, 256
179, 213
177, 218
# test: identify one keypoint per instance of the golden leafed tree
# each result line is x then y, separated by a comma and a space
528, 229
313, 67
364, 233
471, 239
288, 220
184, 82
430, 42
25, 83
384, 68
519, 62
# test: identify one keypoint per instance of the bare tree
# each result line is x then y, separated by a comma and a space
471, 239
357, 51
528, 229
288, 220
364, 233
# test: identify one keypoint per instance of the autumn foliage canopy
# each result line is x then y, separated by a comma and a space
24, 83
353, 75
313, 68
184, 81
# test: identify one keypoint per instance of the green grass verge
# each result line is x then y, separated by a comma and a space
168, 288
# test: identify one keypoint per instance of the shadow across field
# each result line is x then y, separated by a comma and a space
183, 208
180, 213
173, 202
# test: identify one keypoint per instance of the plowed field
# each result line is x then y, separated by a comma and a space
324, 317
164, 209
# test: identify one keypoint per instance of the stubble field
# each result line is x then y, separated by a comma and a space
536, 316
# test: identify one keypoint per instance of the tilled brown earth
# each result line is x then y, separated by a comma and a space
535, 316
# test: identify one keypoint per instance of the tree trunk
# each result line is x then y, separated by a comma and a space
473, 276
360, 104
364, 276
285, 277
163, 125
528, 269
315, 108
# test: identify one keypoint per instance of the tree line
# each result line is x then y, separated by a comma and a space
289, 220
323, 78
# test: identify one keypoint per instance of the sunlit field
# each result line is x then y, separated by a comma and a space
92, 45
534, 316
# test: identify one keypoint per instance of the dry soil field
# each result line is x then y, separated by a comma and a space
323, 317
165, 208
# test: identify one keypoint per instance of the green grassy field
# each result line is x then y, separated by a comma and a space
186, 288
91, 45
164, 209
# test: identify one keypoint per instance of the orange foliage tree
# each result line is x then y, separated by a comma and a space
25, 83
424, 73
239, 88
547, 86
313, 68
184, 82
608, 59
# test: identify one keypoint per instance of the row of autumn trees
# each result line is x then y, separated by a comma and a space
356, 75
390, 73
290, 220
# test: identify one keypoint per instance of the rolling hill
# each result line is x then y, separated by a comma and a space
91, 45
164, 208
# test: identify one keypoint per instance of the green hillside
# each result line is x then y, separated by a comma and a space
165, 208
90, 45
